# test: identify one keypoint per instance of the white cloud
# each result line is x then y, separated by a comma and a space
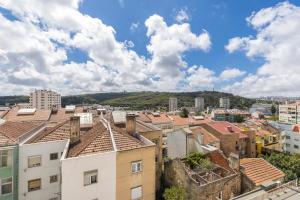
229, 74
201, 77
182, 16
134, 26
34, 51
168, 43
277, 42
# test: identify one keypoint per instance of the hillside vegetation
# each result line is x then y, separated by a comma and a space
144, 100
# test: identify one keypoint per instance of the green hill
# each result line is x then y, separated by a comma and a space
143, 100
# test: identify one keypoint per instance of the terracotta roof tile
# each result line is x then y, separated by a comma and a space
222, 128
259, 170
11, 131
39, 115
208, 138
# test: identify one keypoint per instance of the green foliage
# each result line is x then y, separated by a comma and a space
144, 100
184, 113
198, 159
239, 118
289, 164
174, 193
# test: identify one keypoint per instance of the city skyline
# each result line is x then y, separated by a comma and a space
89, 47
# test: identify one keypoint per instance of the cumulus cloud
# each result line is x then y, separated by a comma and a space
34, 50
168, 43
232, 73
134, 26
277, 42
182, 16
200, 77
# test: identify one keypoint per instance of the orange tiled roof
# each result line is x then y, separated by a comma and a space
11, 131
179, 121
142, 127
161, 119
259, 170
39, 115
222, 128
59, 132
208, 138
94, 141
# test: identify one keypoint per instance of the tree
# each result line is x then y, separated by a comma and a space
197, 159
184, 113
273, 109
239, 118
174, 193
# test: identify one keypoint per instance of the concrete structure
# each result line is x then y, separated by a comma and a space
173, 104
263, 108
232, 138
224, 103
45, 99
220, 182
11, 134
289, 113
199, 104
230, 115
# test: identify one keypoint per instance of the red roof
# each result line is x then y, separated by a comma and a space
226, 128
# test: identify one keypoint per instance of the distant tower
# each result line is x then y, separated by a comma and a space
199, 103
225, 102
172, 104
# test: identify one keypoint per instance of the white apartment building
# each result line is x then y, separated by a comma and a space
45, 99
224, 103
291, 140
172, 104
199, 103
289, 113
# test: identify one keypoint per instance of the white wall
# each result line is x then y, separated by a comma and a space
176, 142
48, 168
72, 177
289, 144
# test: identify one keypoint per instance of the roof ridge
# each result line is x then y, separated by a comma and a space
50, 130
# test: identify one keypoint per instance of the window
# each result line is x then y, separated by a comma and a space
6, 186
287, 145
53, 179
288, 137
34, 161
53, 156
136, 193
136, 166
34, 185
90, 177
296, 146
5, 158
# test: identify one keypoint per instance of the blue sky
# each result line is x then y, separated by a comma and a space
87, 46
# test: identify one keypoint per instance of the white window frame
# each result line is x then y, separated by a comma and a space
34, 180
136, 193
8, 156
88, 177
137, 166
34, 165
9, 182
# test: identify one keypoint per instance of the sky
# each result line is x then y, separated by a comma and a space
249, 48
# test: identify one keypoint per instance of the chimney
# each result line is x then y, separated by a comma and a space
74, 129
229, 128
130, 124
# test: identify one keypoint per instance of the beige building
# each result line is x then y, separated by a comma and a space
289, 113
224, 103
45, 99
172, 104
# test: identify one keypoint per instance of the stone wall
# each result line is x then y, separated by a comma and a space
176, 174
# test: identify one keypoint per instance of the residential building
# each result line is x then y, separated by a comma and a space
257, 171
224, 103
289, 113
232, 138
16, 114
71, 161
264, 109
199, 104
11, 134
290, 139
45, 99
172, 104
230, 115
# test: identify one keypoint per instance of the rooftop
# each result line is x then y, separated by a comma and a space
10, 132
38, 115
208, 138
259, 170
225, 128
